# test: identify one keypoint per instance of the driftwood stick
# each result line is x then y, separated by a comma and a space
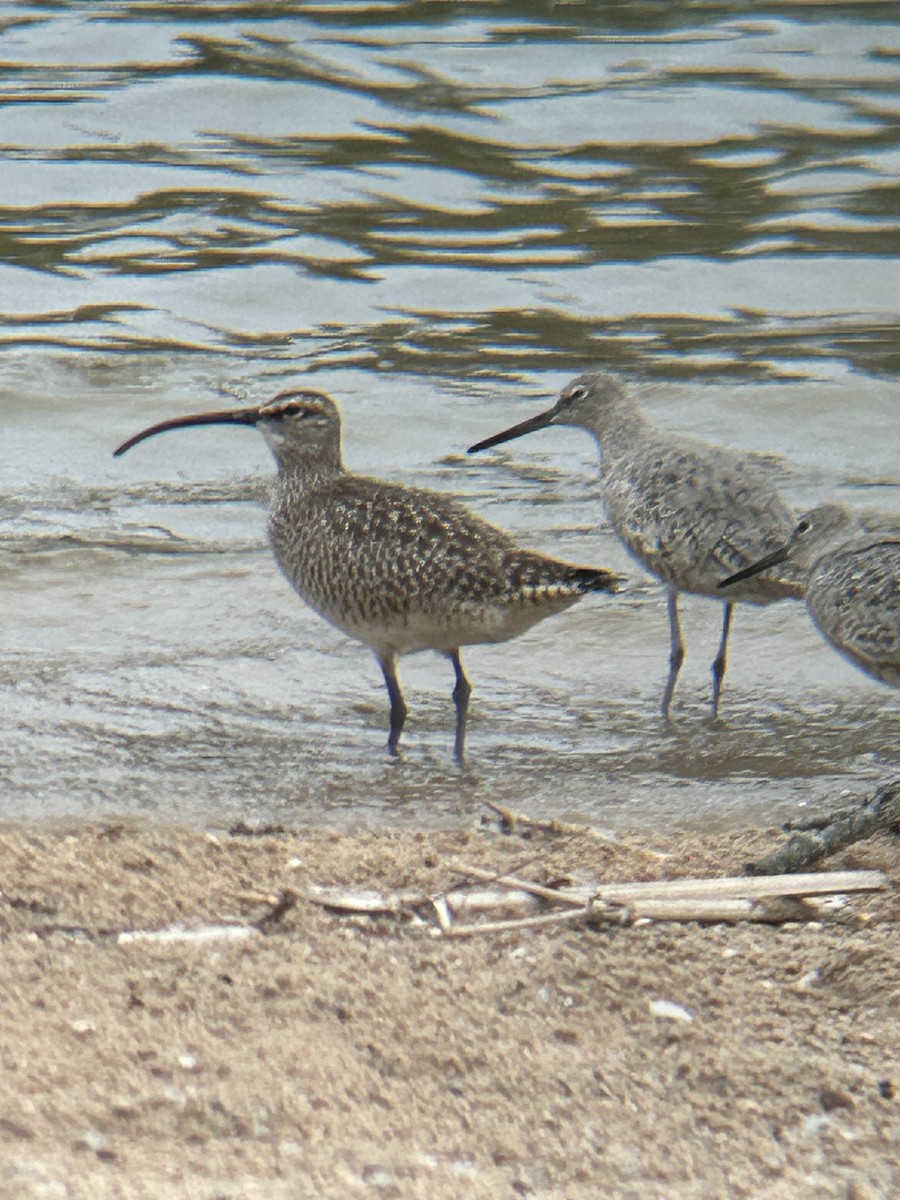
576, 898
771, 910
814, 884
817, 883
815, 839
515, 901
769, 899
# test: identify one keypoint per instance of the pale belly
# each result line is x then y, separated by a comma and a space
420, 631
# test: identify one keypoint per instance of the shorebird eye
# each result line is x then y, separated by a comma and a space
804, 526
576, 393
290, 409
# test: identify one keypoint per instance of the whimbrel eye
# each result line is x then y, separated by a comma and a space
288, 408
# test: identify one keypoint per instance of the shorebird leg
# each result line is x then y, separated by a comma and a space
398, 705
721, 659
461, 694
676, 652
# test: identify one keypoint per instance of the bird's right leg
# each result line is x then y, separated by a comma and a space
676, 652
398, 705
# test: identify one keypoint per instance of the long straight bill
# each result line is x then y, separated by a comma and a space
771, 560
541, 421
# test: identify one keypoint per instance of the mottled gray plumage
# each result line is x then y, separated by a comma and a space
401, 569
688, 511
852, 586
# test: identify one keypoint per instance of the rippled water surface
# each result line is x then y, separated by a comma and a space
438, 213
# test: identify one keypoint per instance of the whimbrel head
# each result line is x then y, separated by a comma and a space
589, 402
300, 427
814, 533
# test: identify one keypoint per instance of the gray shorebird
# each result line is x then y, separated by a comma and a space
685, 509
399, 568
852, 586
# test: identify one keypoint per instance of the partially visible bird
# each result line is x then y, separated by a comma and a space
685, 509
852, 586
399, 568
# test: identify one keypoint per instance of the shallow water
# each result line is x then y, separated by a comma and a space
440, 213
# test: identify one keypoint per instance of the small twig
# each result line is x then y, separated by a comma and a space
258, 898
442, 912
570, 896
366, 900
553, 918
509, 822
283, 904
506, 818
820, 837
45, 929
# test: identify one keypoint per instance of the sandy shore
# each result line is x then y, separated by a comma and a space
327, 1056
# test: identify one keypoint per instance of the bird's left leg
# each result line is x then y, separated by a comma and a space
676, 651
461, 694
721, 659
388, 663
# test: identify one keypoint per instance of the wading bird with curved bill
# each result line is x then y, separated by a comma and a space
401, 569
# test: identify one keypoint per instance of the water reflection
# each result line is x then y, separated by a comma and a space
442, 212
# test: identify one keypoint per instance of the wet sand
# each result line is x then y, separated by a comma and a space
335, 1056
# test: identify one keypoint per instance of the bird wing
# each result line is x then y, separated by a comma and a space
415, 549
854, 598
694, 514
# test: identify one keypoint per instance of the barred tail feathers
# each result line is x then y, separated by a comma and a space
596, 579
539, 577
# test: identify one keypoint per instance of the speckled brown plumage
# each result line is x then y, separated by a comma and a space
401, 569
688, 511
852, 586
404, 569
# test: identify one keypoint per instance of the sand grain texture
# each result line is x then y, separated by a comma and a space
334, 1056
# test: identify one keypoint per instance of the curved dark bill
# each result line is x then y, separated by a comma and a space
541, 421
771, 560
234, 416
